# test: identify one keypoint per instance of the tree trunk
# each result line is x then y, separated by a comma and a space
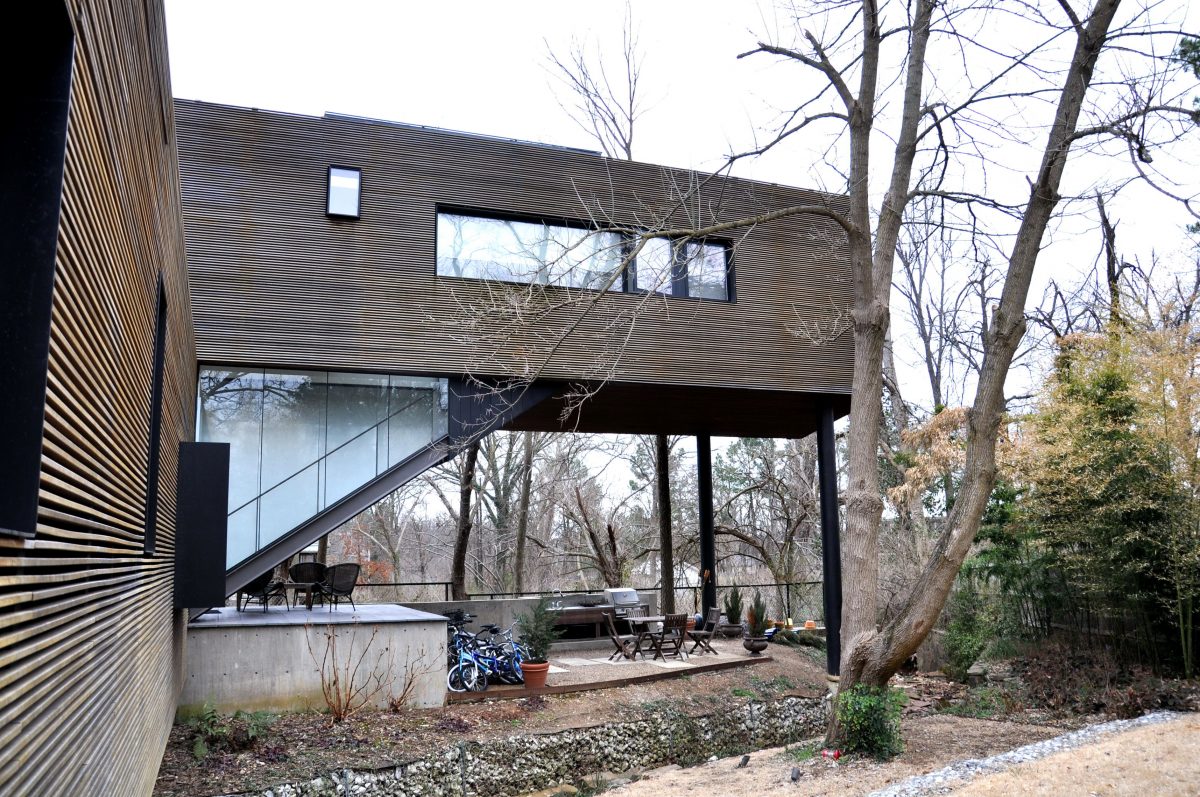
462, 534
662, 479
872, 656
523, 512
323, 549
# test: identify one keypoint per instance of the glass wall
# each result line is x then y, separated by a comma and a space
504, 250
302, 440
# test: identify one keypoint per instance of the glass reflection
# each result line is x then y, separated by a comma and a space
707, 270
653, 268
527, 252
300, 441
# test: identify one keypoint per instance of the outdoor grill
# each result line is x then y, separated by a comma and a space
622, 599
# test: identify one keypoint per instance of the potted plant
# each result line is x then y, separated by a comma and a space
756, 626
733, 609
538, 631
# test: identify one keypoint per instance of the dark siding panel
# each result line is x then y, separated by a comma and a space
275, 281
89, 642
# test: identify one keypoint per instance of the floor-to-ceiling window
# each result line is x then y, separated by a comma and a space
302, 440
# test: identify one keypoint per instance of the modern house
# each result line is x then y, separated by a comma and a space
342, 303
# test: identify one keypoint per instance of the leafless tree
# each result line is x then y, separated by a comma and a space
929, 132
609, 110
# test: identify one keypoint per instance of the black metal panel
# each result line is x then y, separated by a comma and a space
201, 525
708, 545
477, 408
32, 147
152, 456
831, 544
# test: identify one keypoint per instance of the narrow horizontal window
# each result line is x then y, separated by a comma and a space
539, 253
485, 248
345, 189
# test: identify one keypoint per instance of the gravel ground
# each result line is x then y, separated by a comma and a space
945, 780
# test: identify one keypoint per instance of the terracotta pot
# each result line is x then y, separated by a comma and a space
691, 624
755, 644
535, 673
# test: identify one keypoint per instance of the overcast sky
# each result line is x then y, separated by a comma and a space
482, 67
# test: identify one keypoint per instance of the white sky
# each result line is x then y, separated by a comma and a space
481, 67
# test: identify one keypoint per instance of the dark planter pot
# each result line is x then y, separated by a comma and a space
535, 673
755, 644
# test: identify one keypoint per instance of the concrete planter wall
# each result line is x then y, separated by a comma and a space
520, 764
276, 665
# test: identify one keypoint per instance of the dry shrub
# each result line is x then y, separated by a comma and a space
1070, 679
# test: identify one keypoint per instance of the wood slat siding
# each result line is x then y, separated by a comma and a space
90, 647
276, 282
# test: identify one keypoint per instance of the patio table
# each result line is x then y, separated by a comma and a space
641, 627
307, 587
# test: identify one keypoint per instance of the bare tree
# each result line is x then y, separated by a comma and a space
608, 109
462, 532
921, 153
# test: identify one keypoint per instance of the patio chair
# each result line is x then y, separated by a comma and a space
307, 573
702, 637
339, 583
626, 644
669, 641
262, 589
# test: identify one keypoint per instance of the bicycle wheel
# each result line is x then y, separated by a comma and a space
466, 676
475, 677
454, 679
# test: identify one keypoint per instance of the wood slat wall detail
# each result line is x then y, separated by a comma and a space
90, 647
277, 282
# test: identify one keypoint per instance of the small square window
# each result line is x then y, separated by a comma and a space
345, 186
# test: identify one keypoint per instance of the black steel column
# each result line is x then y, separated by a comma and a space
708, 545
831, 545
32, 147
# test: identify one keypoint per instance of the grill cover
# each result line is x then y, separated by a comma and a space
621, 596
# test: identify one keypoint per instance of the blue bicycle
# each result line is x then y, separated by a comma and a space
477, 658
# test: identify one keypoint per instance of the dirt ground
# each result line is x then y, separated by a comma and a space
1161, 760
932, 743
301, 746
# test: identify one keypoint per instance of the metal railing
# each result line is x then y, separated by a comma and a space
799, 600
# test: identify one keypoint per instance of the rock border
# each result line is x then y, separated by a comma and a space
517, 765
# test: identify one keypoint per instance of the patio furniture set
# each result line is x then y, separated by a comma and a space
662, 635
328, 584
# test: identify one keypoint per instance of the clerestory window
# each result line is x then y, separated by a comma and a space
575, 256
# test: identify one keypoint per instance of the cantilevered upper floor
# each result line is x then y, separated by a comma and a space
346, 244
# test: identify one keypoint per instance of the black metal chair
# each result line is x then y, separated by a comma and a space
262, 589
339, 583
307, 573
702, 637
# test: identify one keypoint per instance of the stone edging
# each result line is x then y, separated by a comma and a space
520, 764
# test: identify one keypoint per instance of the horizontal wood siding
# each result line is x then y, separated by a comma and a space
90, 647
275, 281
